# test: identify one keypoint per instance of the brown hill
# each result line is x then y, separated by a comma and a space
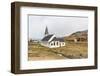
77, 36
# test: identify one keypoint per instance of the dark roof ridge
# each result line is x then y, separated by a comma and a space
46, 38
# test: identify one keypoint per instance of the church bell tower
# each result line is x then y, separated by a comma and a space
46, 31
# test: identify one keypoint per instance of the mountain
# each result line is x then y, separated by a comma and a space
77, 36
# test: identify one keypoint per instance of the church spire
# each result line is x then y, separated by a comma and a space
46, 31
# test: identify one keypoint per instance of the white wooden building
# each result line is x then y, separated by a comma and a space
49, 40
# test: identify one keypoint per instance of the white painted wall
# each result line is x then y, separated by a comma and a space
63, 44
5, 30
53, 46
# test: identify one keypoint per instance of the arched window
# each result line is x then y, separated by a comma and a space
57, 43
63, 43
54, 43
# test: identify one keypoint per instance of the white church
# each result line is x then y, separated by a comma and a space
51, 41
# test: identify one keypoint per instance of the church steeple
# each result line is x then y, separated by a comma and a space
46, 31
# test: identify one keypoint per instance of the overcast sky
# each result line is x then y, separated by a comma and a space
58, 25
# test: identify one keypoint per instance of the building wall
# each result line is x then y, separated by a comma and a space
62, 43
52, 44
44, 43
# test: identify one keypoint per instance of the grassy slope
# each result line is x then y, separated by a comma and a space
71, 50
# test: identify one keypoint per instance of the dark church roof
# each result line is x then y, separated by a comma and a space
58, 39
46, 38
